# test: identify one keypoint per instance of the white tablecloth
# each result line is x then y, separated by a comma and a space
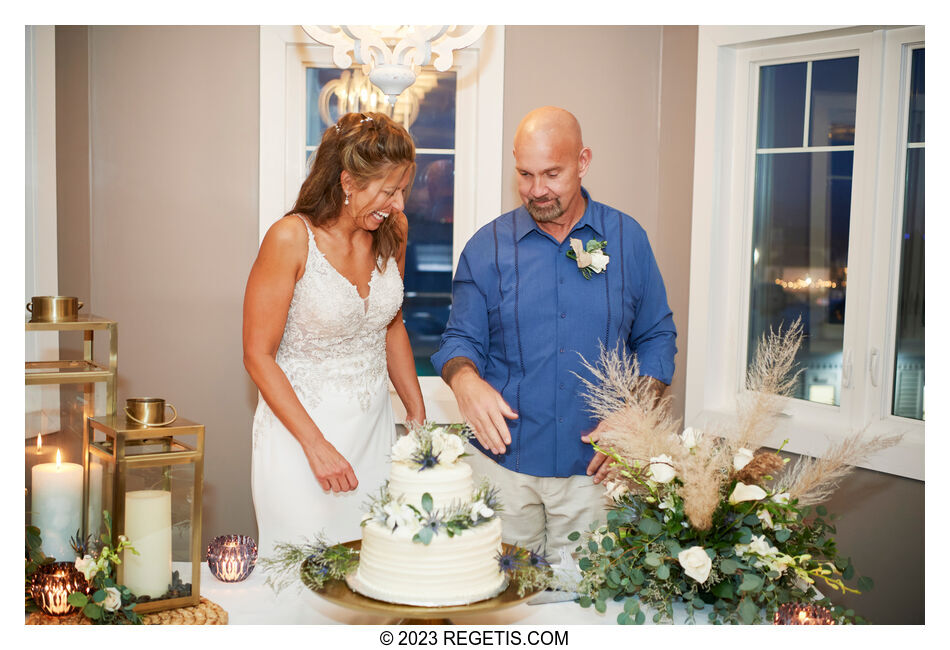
251, 602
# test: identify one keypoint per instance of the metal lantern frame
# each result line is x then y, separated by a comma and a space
121, 435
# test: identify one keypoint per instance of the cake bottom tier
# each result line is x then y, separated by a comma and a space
448, 571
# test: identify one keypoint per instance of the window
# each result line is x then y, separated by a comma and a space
458, 183
808, 202
427, 110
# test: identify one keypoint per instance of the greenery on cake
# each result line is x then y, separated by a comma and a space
711, 519
314, 563
431, 444
425, 522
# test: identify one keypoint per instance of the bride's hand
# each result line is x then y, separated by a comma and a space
330, 468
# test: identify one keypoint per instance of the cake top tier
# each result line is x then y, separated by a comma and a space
431, 445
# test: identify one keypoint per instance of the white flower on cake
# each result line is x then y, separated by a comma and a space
691, 437
743, 492
404, 448
399, 515
741, 459
661, 469
696, 563
481, 509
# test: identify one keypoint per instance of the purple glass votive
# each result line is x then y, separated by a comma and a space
231, 558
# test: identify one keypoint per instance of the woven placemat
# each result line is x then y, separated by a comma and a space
204, 613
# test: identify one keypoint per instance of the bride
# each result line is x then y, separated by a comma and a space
323, 327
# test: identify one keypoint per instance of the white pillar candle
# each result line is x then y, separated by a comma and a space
148, 525
57, 506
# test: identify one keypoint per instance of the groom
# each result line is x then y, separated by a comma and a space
524, 314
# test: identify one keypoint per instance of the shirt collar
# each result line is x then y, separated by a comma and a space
592, 217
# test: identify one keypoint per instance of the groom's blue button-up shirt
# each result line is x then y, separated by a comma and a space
525, 315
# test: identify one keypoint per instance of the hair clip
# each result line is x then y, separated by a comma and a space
337, 127
366, 118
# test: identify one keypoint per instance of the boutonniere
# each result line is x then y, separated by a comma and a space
590, 258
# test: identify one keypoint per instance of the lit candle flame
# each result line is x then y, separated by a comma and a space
59, 459
39, 443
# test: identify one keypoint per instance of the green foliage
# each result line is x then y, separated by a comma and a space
35, 558
312, 562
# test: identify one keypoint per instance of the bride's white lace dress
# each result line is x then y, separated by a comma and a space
334, 353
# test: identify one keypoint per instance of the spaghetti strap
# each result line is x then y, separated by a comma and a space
306, 224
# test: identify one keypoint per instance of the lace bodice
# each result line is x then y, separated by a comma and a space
333, 337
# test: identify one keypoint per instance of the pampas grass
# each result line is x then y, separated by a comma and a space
637, 427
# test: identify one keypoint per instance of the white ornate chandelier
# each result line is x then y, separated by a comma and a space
353, 93
392, 54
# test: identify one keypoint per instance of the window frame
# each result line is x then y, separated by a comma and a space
285, 51
727, 92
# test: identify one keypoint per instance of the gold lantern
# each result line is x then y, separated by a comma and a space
149, 477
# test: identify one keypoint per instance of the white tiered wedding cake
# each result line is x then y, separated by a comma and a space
431, 538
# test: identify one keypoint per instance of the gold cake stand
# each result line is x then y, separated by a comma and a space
339, 593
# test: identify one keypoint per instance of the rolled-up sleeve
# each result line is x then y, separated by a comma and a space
466, 333
653, 336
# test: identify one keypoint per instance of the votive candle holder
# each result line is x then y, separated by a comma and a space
231, 558
802, 614
52, 584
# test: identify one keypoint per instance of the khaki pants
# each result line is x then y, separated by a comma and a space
539, 512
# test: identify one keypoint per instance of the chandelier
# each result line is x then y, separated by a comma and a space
392, 54
354, 93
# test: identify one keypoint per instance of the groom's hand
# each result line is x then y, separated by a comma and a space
482, 406
597, 466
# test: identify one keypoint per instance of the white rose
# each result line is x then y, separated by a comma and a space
87, 565
766, 518
583, 257
404, 448
696, 563
741, 459
598, 261
691, 437
743, 492
661, 468
113, 599
452, 448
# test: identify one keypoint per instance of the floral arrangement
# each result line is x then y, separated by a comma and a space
432, 444
425, 522
109, 603
710, 518
35, 558
314, 563
528, 569
591, 257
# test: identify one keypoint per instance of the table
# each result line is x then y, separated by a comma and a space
251, 602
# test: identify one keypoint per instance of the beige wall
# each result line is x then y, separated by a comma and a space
172, 181
157, 136
638, 122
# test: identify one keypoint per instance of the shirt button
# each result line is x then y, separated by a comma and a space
560, 419
561, 387
562, 280
562, 350
563, 315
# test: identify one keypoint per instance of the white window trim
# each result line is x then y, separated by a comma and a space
720, 256
478, 145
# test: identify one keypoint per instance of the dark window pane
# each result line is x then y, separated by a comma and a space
434, 127
915, 132
781, 105
909, 369
428, 280
800, 236
834, 89
317, 78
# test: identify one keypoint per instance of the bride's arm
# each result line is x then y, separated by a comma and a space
270, 288
399, 359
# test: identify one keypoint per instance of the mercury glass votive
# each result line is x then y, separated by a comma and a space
801, 614
231, 558
52, 584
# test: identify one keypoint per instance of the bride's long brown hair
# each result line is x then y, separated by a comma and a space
366, 145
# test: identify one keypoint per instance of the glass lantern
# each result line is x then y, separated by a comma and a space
149, 478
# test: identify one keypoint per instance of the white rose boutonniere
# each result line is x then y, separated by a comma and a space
743, 492
590, 257
696, 563
661, 469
